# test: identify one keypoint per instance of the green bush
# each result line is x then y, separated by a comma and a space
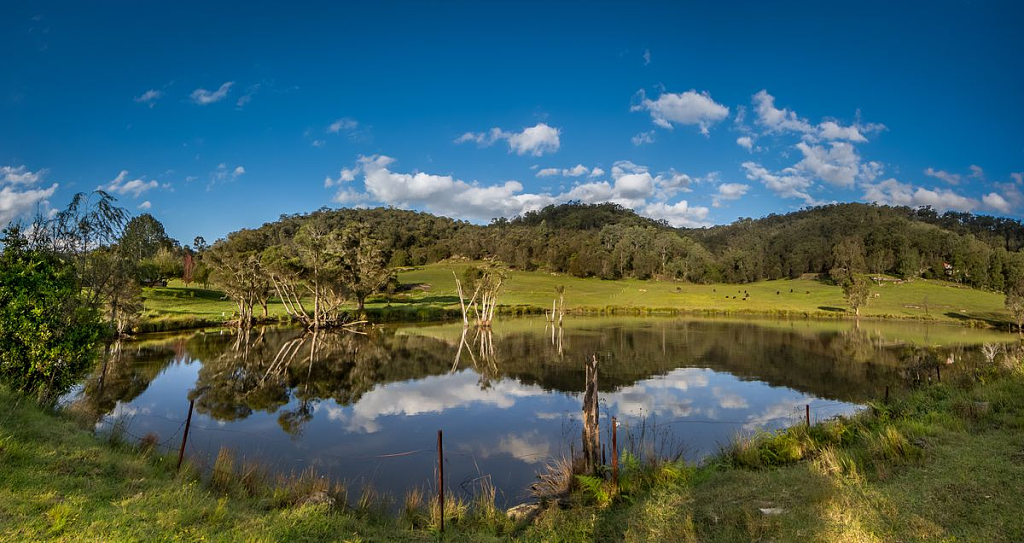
48, 333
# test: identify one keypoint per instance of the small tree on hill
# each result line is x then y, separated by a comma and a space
1015, 305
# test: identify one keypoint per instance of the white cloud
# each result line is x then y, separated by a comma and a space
578, 170
344, 123
643, 138
632, 186
223, 173
346, 175
789, 183
20, 175
18, 197
775, 120
951, 178
729, 191
893, 192
687, 108
680, 214
1018, 177
145, 206
996, 202
977, 172
204, 97
745, 142
124, 186
647, 57
149, 97
596, 172
247, 97
535, 140
838, 165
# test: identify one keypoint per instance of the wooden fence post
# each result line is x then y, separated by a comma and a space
440, 480
184, 438
808, 414
615, 454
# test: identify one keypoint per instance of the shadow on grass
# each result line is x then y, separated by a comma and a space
991, 321
832, 309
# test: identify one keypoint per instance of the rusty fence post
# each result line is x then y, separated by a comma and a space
615, 453
184, 438
440, 480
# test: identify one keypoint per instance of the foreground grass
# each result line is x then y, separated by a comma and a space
943, 464
433, 298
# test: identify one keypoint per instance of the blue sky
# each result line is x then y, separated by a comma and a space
218, 117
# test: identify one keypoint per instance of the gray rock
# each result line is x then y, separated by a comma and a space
524, 512
317, 498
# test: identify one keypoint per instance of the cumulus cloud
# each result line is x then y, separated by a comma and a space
145, 206
745, 142
1018, 177
204, 97
124, 186
893, 192
342, 124
775, 120
578, 170
837, 165
997, 202
680, 214
951, 178
729, 191
643, 138
19, 194
20, 175
632, 186
687, 108
977, 172
149, 97
789, 183
534, 140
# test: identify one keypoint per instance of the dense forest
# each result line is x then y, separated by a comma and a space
611, 242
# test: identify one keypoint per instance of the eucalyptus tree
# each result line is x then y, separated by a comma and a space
237, 268
364, 263
308, 267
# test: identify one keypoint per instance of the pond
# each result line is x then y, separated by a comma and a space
366, 408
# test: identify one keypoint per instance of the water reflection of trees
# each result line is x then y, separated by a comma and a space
287, 371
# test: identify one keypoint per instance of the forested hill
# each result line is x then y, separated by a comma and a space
609, 241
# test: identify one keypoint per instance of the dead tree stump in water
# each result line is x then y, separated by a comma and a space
591, 434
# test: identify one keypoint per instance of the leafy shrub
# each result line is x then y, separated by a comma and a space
48, 334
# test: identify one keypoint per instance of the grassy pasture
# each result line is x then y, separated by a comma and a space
432, 296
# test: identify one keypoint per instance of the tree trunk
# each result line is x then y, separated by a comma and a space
591, 433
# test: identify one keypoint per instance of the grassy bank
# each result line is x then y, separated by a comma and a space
945, 463
431, 296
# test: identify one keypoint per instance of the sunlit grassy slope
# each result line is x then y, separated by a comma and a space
916, 299
433, 286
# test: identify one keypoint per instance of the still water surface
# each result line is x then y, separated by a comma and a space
366, 408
